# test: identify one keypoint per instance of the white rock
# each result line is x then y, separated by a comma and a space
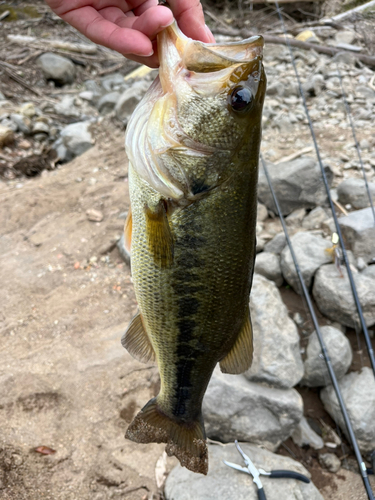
334, 298
358, 392
339, 350
297, 183
77, 137
268, 265
277, 360
354, 191
311, 253
314, 219
276, 245
57, 68
304, 435
234, 408
358, 229
223, 483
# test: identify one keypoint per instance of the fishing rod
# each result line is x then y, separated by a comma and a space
325, 181
327, 359
350, 117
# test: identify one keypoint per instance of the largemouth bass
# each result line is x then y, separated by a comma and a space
193, 146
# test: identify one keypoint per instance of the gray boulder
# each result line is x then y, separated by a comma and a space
304, 435
224, 483
268, 265
354, 192
107, 102
234, 408
315, 218
334, 298
339, 351
276, 245
129, 100
358, 229
297, 183
358, 392
77, 138
311, 254
277, 359
57, 68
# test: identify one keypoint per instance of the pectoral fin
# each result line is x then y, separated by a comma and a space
159, 236
128, 231
239, 358
136, 341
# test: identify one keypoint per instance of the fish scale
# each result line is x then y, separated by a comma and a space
192, 232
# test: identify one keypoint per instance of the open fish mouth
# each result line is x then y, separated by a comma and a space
192, 73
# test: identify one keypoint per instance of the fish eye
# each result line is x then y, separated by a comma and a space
240, 99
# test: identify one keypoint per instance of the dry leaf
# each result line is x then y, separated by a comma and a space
45, 450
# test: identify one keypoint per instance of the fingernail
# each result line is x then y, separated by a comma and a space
166, 25
145, 55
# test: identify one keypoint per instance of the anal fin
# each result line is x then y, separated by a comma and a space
136, 341
159, 236
186, 441
239, 358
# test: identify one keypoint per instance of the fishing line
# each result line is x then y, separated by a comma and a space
351, 121
338, 228
361, 464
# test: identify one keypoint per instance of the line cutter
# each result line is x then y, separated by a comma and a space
253, 471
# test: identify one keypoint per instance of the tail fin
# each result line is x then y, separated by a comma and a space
186, 441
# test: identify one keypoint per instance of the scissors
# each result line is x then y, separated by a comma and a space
253, 471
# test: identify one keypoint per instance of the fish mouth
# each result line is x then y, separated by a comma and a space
179, 51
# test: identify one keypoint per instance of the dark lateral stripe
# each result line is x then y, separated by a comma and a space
186, 285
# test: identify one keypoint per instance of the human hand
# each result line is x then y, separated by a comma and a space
130, 27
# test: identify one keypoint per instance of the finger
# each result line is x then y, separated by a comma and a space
190, 19
124, 40
144, 6
62, 7
150, 23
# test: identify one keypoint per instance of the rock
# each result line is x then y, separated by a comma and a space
304, 435
276, 245
268, 265
28, 109
107, 102
77, 138
334, 298
57, 68
129, 100
297, 183
366, 92
315, 218
94, 215
314, 86
223, 483
6, 136
67, 106
345, 36
62, 151
311, 253
358, 392
295, 218
234, 408
369, 271
358, 230
276, 362
262, 212
23, 122
7, 123
330, 461
354, 191
112, 82
40, 127
339, 350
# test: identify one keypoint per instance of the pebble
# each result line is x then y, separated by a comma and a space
330, 461
57, 68
94, 215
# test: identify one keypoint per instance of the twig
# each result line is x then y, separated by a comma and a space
348, 13
4, 15
323, 49
84, 48
19, 80
30, 56
340, 207
293, 156
111, 69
